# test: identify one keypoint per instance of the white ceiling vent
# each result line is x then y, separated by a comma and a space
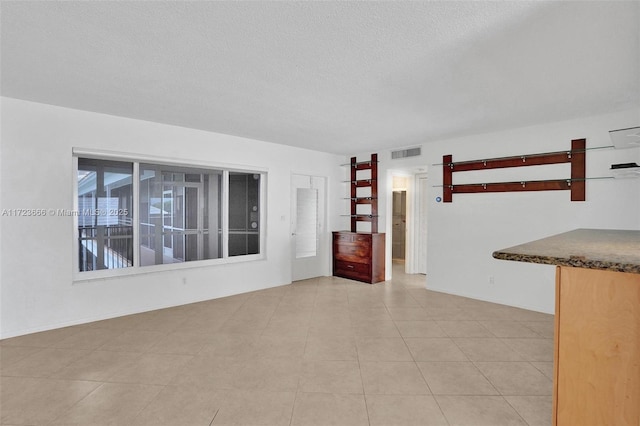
403, 153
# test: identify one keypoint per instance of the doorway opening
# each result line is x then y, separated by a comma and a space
399, 218
407, 212
420, 264
399, 239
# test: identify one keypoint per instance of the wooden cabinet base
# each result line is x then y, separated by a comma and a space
359, 256
597, 348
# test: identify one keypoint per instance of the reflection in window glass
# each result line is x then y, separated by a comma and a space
105, 229
244, 213
184, 214
180, 212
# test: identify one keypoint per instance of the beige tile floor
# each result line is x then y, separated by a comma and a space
324, 351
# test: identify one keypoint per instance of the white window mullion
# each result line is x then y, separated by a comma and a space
225, 214
135, 205
263, 213
76, 235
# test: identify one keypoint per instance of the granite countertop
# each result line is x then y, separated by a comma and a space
607, 249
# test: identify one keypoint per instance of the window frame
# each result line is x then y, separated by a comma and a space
136, 159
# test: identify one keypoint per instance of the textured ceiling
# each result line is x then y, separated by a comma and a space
341, 77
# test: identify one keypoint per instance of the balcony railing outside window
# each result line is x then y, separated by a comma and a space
116, 243
105, 230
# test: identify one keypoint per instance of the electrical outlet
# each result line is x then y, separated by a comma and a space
492, 280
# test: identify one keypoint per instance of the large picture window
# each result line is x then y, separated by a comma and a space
182, 214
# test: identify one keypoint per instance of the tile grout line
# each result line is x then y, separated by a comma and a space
214, 417
415, 363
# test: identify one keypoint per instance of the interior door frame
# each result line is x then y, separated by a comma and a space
412, 218
421, 198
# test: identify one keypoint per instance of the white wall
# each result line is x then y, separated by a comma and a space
36, 287
37, 290
463, 234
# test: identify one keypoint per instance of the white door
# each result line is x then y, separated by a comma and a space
421, 222
307, 226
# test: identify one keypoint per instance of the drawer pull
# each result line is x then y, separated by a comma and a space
350, 266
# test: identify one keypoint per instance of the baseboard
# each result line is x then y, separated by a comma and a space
499, 302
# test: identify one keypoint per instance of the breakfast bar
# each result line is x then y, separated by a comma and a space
597, 323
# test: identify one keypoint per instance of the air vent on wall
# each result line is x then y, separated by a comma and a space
403, 153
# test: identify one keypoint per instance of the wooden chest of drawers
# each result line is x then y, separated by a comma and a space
358, 256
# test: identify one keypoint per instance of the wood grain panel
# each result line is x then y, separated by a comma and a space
578, 170
359, 256
359, 253
517, 161
541, 185
447, 178
556, 345
598, 348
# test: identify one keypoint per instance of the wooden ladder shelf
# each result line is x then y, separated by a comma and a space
370, 182
359, 255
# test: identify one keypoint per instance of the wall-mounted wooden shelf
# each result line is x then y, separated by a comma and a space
576, 183
356, 181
